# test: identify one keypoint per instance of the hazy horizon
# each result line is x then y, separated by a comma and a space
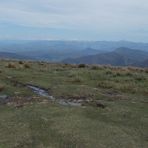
70, 40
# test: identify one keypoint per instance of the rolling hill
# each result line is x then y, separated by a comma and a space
60, 50
119, 57
143, 64
9, 55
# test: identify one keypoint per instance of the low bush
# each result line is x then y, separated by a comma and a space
21, 62
146, 70
109, 72
94, 67
81, 66
26, 65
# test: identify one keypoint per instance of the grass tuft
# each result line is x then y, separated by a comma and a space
2, 87
11, 65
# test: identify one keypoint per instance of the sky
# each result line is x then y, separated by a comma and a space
74, 20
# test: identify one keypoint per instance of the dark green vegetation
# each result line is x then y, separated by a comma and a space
41, 123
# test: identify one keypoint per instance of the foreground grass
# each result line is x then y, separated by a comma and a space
122, 124
48, 125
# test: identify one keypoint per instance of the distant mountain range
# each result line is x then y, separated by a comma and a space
142, 64
119, 57
23, 45
90, 52
9, 55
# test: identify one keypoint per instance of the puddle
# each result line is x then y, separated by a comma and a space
40, 91
44, 93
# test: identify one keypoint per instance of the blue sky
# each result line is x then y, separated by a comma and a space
74, 19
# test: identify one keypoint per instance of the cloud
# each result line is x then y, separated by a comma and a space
95, 15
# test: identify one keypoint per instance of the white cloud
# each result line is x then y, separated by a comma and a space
97, 15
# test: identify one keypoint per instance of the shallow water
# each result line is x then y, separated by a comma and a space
44, 93
40, 91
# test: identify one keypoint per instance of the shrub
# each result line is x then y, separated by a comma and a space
118, 74
146, 70
140, 78
21, 62
26, 65
94, 67
81, 66
108, 72
129, 74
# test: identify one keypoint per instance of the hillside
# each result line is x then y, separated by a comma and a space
119, 57
141, 64
61, 106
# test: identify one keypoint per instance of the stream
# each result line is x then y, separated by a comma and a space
44, 93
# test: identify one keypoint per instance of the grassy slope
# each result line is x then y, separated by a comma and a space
40, 125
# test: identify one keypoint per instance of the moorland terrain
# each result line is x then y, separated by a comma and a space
77, 106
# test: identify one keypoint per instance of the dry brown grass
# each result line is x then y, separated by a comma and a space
26, 65
2, 87
11, 65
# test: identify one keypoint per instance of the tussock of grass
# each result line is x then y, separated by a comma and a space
26, 65
30, 121
81, 66
2, 87
105, 85
77, 80
21, 62
11, 65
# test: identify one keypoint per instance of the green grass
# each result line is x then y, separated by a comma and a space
48, 125
44, 124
